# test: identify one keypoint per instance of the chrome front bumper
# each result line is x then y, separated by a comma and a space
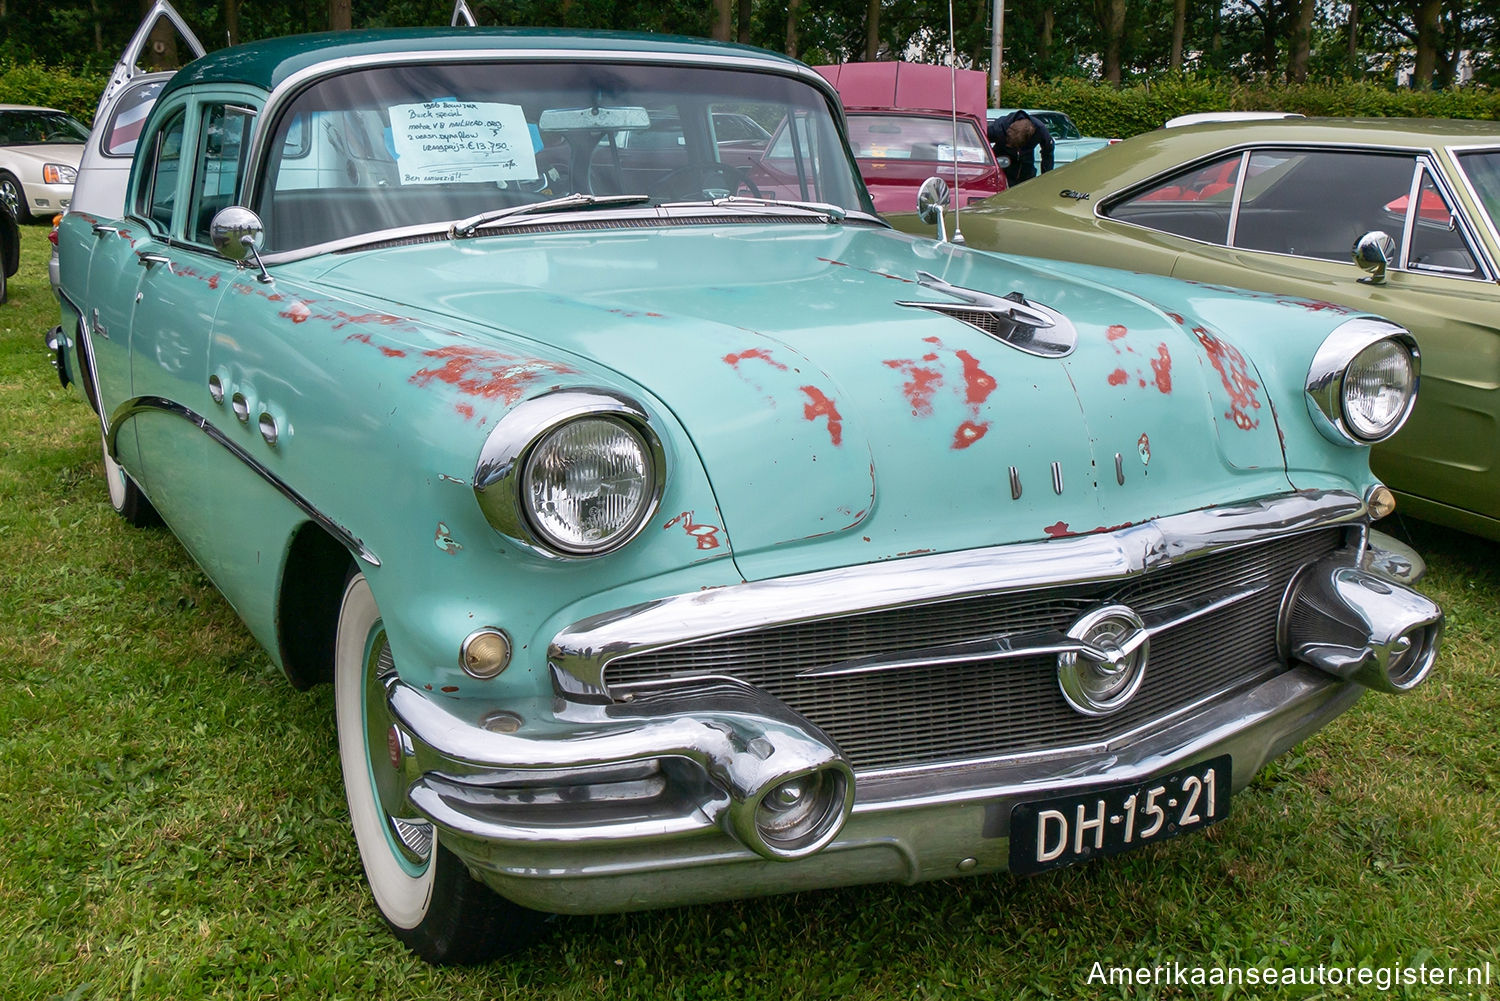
578, 804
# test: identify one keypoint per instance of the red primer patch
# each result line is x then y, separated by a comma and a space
821, 406
297, 312
707, 535
450, 688
1058, 530
1118, 377
1162, 366
1116, 331
759, 354
829, 260
919, 387
484, 373
979, 383
1234, 372
1177, 317
968, 433
213, 281
465, 411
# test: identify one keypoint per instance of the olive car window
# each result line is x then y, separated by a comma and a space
1195, 204
1316, 203
220, 164
158, 194
1437, 241
392, 147
1483, 171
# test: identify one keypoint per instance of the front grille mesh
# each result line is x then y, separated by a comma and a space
936, 714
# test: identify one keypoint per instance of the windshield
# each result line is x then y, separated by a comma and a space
1483, 171
910, 137
30, 128
378, 149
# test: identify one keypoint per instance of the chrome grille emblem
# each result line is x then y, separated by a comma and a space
1106, 669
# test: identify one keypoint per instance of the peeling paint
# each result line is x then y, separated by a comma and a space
297, 312
445, 541
921, 383
1116, 331
1162, 366
450, 689
829, 260
1118, 377
485, 373
978, 383
384, 349
453, 479
707, 536
758, 354
968, 433
1058, 530
820, 405
1234, 372
1143, 448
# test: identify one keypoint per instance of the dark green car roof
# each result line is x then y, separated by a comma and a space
266, 64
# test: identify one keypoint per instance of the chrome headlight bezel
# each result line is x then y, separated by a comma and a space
1327, 379
500, 475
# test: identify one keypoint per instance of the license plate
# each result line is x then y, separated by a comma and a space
1055, 832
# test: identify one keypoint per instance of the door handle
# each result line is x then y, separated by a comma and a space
146, 260
100, 229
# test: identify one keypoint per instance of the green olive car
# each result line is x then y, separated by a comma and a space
1306, 207
670, 528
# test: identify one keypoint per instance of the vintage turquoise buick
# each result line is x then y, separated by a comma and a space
673, 530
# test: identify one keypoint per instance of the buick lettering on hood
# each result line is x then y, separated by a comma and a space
670, 528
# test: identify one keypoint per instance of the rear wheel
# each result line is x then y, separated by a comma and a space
124, 496
421, 889
13, 195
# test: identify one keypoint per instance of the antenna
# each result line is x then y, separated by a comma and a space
958, 226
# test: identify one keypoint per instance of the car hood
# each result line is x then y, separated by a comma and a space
65, 153
838, 426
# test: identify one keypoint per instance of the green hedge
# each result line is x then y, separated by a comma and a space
29, 83
1101, 110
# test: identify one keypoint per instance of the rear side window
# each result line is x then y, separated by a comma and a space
1317, 203
1194, 204
129, 115
1437, 242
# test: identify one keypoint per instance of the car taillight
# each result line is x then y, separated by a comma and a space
52, 236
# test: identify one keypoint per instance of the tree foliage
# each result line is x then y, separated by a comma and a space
1420, 43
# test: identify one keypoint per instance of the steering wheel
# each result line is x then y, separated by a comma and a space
704, 180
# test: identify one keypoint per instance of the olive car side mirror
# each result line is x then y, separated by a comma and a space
237, 233
1374, 252
932, 198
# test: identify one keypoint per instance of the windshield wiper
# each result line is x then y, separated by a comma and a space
832, 213
577, 200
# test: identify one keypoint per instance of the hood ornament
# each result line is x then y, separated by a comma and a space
1024, 325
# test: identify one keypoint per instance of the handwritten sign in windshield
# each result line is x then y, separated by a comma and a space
441, 142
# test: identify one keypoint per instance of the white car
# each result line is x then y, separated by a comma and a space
39, 153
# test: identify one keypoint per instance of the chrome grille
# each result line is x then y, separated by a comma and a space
982, 709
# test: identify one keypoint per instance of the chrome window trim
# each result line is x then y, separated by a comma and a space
1421, 155
156, 404
579, 653
1451, 153
1239, 191
289, 89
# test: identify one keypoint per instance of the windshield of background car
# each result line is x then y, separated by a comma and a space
32, 128
908, 137
390, 147
1482, 168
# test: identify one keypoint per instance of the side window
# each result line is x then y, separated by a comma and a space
1437, 244
223, 143
158, 193
1317, 203
130, 111
1194, 204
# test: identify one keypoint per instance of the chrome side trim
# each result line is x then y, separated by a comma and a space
579, 653
156, 404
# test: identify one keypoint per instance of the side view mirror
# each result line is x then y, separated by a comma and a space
1374, 253
235, 232
932, 198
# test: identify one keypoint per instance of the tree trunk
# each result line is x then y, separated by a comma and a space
1044, 45
742, 33
872, 30
340, 15
723, 19
1301, 50
1354, 66
793, 7
1429, 37
1112, 21
232, 20
1179, 29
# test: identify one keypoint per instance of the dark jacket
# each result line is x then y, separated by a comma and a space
1023, 158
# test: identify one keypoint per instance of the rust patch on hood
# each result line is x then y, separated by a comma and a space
819, 405
485, 373
707, 536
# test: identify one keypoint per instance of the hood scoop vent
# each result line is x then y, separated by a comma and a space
1025, 326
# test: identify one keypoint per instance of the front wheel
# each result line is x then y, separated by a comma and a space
421, 889
124, 496
13, 195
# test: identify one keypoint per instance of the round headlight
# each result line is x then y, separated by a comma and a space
1378, 388
588, 485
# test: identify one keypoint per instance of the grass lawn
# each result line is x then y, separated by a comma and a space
174, 826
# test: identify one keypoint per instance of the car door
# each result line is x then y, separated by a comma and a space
1295, 219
